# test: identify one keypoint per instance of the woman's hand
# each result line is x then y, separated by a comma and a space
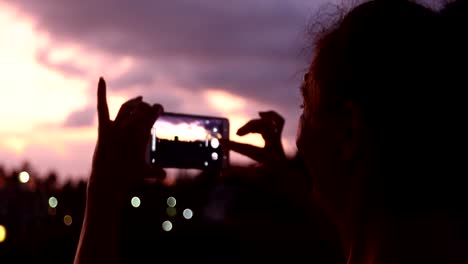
281, 175
275, 164
270, 126
119, 158
118, 165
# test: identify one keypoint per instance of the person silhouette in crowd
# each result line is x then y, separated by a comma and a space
373, 138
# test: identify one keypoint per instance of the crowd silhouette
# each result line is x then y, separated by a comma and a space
236, 218
33, 213
378, 177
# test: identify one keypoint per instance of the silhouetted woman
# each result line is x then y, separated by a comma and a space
374, 137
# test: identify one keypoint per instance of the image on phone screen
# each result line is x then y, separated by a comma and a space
189, 141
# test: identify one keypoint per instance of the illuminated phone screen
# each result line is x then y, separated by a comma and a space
189, 141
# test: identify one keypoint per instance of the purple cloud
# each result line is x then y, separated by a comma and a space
250, 48
67, 68
81, 118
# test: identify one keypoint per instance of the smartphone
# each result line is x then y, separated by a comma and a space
189, 142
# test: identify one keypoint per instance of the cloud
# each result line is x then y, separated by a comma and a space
174, 53
208, 29
64, 67
81, 118
251, 48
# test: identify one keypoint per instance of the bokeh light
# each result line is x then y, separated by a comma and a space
171, 201
214, 143
187, 213
23, 177
3, 233
214, 156
167, 226
136, 202
67, 220
53, 202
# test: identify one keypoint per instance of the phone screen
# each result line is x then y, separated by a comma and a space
189, 141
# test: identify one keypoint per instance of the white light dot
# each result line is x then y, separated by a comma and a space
214, 156
67, 220
53, 202
23, 177
171, 201
3, 233
136, 202
214, 143
187, 213
206, 163
167, 226
215, 129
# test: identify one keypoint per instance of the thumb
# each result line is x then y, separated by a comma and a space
253, 152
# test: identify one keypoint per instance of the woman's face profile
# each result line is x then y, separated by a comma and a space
321, 145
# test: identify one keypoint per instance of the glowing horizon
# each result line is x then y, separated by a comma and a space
192, 131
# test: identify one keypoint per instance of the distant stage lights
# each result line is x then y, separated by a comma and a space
3, 233
136, 202
187, 213
167, 226
53, 202
171, 201
23, 177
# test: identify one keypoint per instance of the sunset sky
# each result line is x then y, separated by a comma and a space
209, 57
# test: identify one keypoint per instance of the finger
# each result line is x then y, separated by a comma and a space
253, 152
273, 117
127, 108
144, 115
102, 108
253, 126
159, 109
140, 123
138, 126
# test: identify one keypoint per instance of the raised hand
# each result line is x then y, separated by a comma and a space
118, 164
280, 175
270, 126
119, 158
